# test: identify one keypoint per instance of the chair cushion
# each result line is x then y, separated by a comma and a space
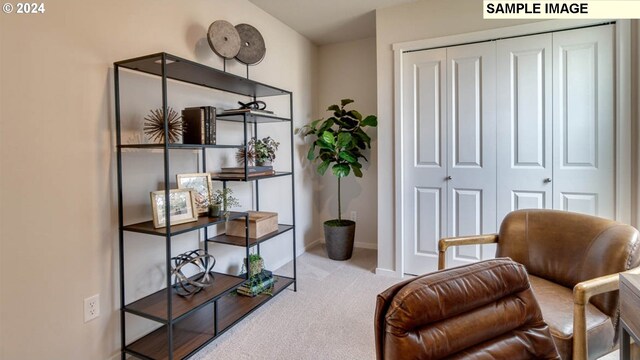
479, 311
556, 303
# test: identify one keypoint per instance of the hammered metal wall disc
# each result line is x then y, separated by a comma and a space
252, 47
224, 39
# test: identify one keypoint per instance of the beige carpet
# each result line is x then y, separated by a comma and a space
330, 317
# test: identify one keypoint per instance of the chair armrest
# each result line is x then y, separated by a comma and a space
445, 243
582, 292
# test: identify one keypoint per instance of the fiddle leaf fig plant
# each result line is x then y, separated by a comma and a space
339, 142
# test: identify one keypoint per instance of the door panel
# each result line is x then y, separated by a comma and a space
424, 161
524, 142
471, 88
584, 121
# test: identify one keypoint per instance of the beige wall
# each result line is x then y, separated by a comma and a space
348, 70
58, 219
424, 19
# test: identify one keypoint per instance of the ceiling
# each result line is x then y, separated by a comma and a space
328, 21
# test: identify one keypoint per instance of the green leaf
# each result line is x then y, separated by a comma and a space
323, 144
347, 156
344, 139
355, 114
326, 125
328, 138
333, 108
345, 102
370, 120
340, 170
356, 169
311, 154
322, 168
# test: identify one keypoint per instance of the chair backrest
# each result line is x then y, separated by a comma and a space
482, 308
567, 248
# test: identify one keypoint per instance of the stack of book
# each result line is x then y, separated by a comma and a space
238, 172
199, 125
257, 284
246, 111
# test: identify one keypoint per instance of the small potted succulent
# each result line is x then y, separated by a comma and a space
221, 201
260, 152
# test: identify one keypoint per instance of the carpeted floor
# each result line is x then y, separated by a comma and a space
330, 317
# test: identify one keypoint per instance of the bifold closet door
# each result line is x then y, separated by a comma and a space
424, 159
524, 111
584, 121
471, 147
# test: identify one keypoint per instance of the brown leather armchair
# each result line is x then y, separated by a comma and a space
480, 311
573, 262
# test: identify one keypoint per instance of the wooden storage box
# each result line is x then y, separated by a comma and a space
260, 223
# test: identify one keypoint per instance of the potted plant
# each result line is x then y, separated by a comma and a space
221, 201
339, 142
260, 152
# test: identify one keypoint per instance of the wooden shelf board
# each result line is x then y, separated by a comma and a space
189, 335
191, 72
251, 178
203, 221
232, 308
240, 240
155, 305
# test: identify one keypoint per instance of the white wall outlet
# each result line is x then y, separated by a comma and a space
91, 307
354, 216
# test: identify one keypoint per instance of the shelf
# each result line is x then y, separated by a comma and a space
203, 221
189, 335
197, 329
233, 308
154, 306
179, 146
240, 241
251, 177
251, 118
192, 72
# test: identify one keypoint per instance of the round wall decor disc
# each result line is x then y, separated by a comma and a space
224, 39
252, 47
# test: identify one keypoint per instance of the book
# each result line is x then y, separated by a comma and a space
200, 125
246, 111
250, 169
255, 290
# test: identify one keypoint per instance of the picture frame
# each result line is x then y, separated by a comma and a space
182, 204
201, 184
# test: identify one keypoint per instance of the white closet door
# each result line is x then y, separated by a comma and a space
583, 111
471, 144
425, 158
524, 124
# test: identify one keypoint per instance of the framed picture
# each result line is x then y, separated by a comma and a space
182, 207
201, 184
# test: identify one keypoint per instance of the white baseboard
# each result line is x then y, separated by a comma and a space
357, 244
365, 245
311, 244
388, 273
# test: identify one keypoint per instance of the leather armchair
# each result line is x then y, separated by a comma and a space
480, 311
573, 261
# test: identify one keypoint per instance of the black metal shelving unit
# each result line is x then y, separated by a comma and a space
188, 324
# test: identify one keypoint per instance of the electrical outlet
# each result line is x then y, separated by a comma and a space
354, 216
91, 307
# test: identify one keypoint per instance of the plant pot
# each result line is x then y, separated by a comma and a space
339, 238
215, 210
264, 163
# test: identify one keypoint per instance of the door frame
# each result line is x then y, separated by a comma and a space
622, 108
